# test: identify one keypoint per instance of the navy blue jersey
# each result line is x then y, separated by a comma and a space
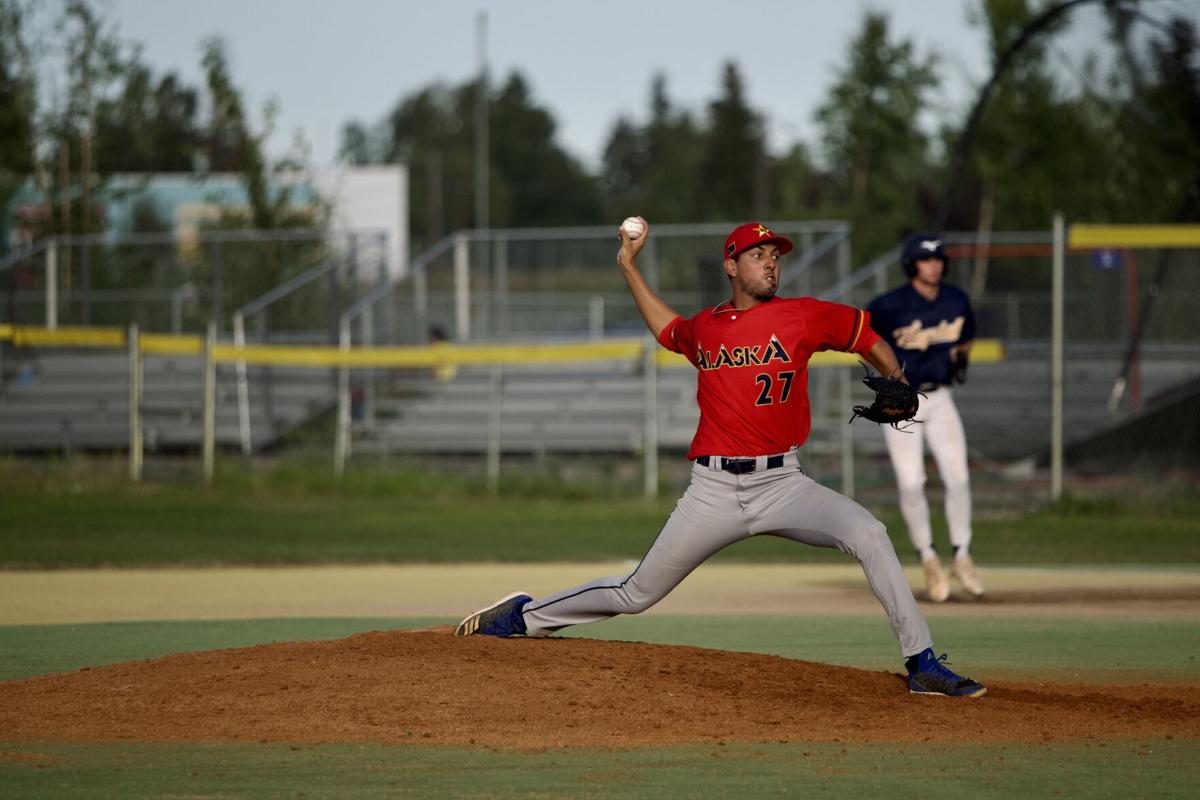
922, 332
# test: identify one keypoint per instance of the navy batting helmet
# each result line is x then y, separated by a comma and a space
920, 246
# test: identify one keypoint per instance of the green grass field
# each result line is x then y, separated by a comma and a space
84, 514
1114, 770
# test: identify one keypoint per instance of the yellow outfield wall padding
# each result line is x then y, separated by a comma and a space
25, 336
984, 350
1133, 236
428, 356
158, 344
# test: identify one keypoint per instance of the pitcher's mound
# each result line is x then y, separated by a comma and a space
430, 687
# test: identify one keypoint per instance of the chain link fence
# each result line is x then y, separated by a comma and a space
1130, 344
169, 284
503, 285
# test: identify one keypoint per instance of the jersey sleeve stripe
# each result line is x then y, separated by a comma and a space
856, 331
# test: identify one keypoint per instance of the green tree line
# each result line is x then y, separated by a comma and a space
1110, 139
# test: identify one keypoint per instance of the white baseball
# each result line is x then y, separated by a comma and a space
633, 227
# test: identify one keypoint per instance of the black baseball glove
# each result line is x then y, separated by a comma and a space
958, 366
895, 401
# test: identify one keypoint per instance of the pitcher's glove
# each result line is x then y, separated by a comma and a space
895, 401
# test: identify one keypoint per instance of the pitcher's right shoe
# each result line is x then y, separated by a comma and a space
936, 582
502, 618
964, 571
928, 674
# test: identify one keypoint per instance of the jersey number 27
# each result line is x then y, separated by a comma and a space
764, 380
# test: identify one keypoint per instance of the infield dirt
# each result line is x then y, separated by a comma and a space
430, 687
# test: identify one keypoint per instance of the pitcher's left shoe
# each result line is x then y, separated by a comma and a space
502, 618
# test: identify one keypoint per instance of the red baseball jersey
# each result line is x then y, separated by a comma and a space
753, 383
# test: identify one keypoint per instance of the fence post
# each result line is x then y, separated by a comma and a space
650, 416
333, 305
495, 421
177, 310
420, 306
651, 260
843, 268
52, 284
500, 289
1056, 361
341, 445
243, 388
596, 316
210, 401
218, 283
135, 403
85, 283
845, 383
462, 289
367, 337
266, 373
806, 244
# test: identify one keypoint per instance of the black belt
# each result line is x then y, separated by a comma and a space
739, 466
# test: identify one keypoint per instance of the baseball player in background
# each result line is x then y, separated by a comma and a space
752, 354
930, 326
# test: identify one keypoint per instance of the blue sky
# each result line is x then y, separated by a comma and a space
587, 62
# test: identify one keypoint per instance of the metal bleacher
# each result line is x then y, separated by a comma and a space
67, 401
593, 407
599, 407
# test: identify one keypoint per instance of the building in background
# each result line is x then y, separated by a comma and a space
362, 200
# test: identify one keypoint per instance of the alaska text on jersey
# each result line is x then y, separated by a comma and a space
743, 355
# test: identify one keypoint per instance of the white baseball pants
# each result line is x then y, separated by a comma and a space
720, 508
942, 428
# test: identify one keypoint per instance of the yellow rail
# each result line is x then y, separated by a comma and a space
984, 350
1133, 236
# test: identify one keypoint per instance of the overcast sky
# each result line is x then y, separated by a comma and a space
329, 61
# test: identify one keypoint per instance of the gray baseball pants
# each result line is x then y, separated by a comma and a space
720, 508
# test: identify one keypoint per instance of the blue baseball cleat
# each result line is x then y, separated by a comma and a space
502, 618
928, 674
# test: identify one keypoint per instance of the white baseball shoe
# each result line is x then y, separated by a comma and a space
937, 585
964, 572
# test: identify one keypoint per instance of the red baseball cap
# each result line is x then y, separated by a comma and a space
752, 234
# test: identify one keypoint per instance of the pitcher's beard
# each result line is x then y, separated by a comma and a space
763, 292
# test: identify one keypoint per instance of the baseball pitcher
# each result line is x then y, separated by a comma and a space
752, 355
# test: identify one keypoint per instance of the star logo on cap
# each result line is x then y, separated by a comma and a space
762, 230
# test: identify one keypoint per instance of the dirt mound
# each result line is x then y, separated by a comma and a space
429, 687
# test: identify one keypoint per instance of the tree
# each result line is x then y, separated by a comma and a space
675, 148
872, 142
152, 125
1155, 120
357, 145
232, 145
626, 163
655, 170
539, 182
798, 188
1036, 151
533, 180
17, 105
734, 167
